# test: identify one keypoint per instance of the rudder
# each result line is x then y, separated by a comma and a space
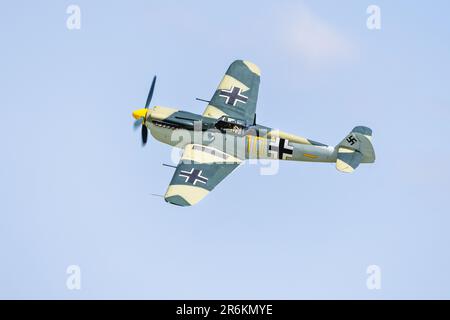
356, 148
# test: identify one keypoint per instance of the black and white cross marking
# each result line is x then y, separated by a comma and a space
233, 95
281, 149
351, 139
193, 176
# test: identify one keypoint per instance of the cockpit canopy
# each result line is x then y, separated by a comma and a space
226, 122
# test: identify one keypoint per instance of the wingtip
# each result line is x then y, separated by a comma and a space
253, 67
177, 200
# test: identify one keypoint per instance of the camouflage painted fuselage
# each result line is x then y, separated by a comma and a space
180, 128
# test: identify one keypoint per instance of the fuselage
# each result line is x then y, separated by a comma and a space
232, 136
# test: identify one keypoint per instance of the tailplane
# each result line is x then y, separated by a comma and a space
356, 148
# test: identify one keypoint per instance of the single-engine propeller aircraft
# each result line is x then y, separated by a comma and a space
226, 134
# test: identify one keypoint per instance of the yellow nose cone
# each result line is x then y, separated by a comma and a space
137, 114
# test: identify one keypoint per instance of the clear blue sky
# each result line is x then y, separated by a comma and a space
75, 183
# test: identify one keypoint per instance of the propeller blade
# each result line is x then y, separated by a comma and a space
144, 134
150, 93
137, 124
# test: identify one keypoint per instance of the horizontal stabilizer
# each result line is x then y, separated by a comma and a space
348, 160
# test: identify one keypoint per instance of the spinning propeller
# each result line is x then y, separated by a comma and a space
141, 114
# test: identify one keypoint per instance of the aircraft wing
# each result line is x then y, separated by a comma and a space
237, 93
200, 169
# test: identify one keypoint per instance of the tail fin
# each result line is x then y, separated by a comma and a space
356, 148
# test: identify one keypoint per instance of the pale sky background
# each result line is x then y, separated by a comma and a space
75, 183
